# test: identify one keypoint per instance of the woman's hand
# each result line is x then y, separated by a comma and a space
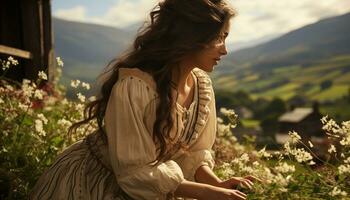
233, 182
218, 193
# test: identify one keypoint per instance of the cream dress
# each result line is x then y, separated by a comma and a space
91, 170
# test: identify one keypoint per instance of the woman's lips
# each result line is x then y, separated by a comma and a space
216, 60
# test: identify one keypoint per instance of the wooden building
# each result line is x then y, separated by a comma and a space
305, 121
26, 35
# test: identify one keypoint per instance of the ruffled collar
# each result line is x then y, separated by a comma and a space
204, 98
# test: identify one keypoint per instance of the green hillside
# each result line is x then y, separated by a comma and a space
312, 62
87, 48
288, 81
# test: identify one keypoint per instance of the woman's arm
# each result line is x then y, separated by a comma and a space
202, 191
205, 175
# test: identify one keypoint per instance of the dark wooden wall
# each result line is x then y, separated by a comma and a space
26, 34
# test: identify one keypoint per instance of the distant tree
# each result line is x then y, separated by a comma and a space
326, 84
274, 108
233, 99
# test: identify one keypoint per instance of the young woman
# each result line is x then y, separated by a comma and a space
156, 116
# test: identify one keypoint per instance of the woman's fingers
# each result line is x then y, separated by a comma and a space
239, 195
253, 178
246, 184
249, 182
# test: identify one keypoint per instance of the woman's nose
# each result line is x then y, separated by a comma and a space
223, 50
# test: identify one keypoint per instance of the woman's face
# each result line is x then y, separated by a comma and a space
210, 56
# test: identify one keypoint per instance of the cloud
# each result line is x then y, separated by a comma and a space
77, 13
126, 12
260, 18
256, 18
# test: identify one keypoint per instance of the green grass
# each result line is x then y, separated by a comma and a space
337, 110
266, 86
334, 92
345, 78
250, 123
285, 91
289, 69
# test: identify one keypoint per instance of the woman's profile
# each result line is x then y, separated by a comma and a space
156, 116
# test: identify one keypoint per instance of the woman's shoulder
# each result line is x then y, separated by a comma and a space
142, 76
137, 75
203, 78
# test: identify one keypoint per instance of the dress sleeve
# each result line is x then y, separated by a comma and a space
200, 151
130, 144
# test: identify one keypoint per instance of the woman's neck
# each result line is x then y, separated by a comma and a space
182, 77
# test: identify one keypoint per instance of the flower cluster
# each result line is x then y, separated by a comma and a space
291, 172
33, 128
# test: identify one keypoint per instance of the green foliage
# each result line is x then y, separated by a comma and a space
293, 172
33, 130
326, 84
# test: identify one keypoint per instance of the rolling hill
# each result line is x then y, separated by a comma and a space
87, 48
298, 63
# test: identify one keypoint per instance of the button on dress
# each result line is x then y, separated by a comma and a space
122, 169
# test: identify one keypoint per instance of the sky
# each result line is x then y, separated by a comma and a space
256, 18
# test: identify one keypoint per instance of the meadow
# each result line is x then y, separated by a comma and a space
35, 117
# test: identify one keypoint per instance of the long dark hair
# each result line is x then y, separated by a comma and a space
176, 28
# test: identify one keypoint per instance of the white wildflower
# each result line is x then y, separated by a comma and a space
219, 120
227, 112
256, 164
27, 88
42, 75
9, 87
39, 94
1, 101
310, 144
287, 147
332, 149
294, 136
5, 65
263, 153
59, 61
343, 169
301, 155
247, 169
92, 98
13, 61
228, 171
64, 123
85, 85
81, 97
347, 160
39, 127
75, 83
281, 180
345, 141
42, 118
64, 101
336, 192
244, 157
285, 168
79, 106
23, 107
311, 163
